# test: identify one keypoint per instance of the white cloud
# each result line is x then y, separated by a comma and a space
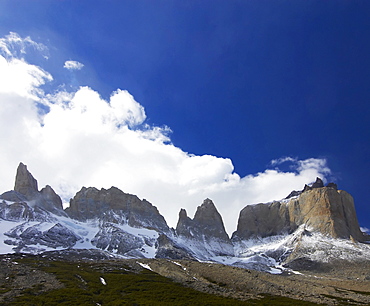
84, 140
282, 160
13, 45
22, 79
73, 65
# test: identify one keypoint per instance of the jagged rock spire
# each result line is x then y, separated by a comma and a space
25, 183
26, 189
206, 228
210, 219
318, 183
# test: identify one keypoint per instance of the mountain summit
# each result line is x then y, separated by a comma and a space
326, 210
25, 183
316, 224
205, 234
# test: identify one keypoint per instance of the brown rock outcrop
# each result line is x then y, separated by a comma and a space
322, 209
262, 220
328, 211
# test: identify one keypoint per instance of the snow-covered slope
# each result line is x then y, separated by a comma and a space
59, 232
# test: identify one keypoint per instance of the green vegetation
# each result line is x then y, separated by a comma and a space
123, 286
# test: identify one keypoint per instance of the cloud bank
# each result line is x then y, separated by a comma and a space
75, 139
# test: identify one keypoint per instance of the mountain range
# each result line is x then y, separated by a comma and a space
309, 227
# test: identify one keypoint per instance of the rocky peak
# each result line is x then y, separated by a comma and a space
26, 192
318, 183
52, 200
206, 227
183, 214
210, 220
25, 183
332, 185
321, 209
113, 205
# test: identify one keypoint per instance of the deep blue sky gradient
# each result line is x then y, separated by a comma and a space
250, 80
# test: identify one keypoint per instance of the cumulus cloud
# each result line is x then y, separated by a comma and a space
73, 65
84, 140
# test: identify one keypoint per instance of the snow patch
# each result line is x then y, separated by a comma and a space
145, 266
180, 265
102, 280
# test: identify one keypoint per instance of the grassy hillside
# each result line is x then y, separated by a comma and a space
109, 283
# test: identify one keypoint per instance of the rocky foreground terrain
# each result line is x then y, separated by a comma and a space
336, 283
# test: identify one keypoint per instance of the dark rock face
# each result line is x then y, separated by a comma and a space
332, 185
26, 190
168, 248
23, 212
318, 184
50, 199
207, 221
208, 218
321, 209
113, 239
28, 234
25, 183
206, 228
294, 193
13, 196
113, 205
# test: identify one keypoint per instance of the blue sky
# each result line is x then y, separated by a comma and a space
239, 83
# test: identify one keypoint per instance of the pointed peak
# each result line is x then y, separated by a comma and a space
207, 204
318, 183
208, 201
207, 211
25, 183
52, 200
183, 213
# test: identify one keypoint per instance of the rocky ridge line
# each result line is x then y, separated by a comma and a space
320, 209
